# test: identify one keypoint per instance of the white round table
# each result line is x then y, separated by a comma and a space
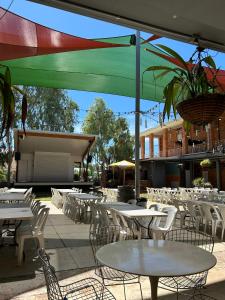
155, 258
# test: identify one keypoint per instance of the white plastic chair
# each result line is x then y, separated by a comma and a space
159, 231
28, 192
57, 199
221, 210
36, 231
210, 216
195, 215
182, 211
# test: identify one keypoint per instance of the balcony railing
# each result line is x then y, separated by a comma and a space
217, 147
197, 148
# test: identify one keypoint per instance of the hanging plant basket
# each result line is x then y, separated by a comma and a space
202, 109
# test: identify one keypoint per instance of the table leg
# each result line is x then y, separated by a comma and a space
154, 287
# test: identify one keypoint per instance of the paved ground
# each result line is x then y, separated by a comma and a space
69, 249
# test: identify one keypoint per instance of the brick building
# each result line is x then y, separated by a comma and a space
170, 157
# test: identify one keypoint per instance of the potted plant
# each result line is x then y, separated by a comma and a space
7, 102
194, 91
201, 182
206, 163
198, 182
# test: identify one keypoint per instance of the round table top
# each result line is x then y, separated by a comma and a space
156, 258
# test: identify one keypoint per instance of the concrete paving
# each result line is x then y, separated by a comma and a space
70, 253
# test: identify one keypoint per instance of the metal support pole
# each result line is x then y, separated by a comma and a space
137, 118
218, 174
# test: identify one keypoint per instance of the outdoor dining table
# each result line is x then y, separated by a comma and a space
134, 212
15, 212
11, 197
84, 196
66, 191
18, 212
15, 190
155, 259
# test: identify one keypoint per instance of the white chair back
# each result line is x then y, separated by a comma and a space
171, 214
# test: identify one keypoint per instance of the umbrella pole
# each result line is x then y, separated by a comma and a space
124, 176
137, 117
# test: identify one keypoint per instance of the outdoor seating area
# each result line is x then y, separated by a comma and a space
92, 222
112, 157
200, 208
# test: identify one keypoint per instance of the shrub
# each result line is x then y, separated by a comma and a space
205, 163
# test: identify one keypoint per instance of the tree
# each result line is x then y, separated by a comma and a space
123, 143
100, 121
114, 141
48, 109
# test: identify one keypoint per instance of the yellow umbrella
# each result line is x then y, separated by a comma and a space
124, 164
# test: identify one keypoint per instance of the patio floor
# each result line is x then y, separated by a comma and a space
70, 253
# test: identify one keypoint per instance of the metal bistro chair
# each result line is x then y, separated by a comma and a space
86, 289
196, 281
106, 235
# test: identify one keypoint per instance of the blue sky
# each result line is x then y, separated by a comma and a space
91, 28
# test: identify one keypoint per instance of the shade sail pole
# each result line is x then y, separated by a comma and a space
137, 117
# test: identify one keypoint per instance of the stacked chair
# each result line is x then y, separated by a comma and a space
57, 199
33, 229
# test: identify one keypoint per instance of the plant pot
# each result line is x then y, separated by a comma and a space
202, 109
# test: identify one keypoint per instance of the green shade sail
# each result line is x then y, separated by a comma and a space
107, 70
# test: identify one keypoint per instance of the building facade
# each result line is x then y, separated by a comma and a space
171, 157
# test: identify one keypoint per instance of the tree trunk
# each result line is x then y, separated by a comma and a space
9, 158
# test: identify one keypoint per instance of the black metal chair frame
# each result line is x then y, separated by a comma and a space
101, 236
86, 289
196, 281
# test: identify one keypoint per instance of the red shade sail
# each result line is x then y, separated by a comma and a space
20, 37
220, 74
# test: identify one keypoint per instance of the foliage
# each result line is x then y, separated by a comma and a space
8, 102
114, 141
190, 78
100, 121
205, 163
3, 174
123, 143
200, 182
48, 109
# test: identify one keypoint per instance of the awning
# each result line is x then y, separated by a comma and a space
178, 19
41, 56
78, 145
108, 70
20, 37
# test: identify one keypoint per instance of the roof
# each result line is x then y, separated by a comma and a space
48, 141
159, 129
178, 19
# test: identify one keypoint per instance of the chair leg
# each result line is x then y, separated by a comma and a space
205, 226
20, 252
124, 290
139, 281
197, 224
41, 242
213, 228
222, 233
